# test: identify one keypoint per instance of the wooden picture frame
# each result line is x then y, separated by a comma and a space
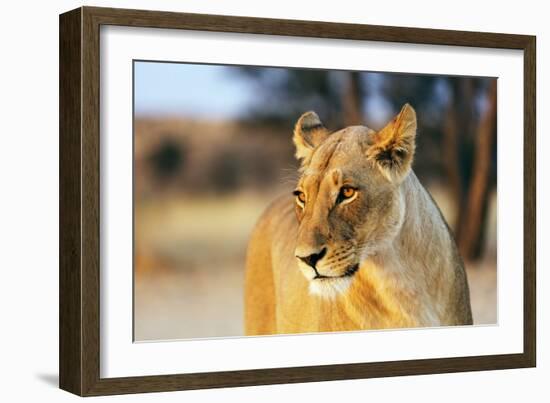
79, 348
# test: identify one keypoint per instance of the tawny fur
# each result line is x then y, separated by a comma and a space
410, 273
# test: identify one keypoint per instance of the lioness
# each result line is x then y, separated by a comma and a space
360, 245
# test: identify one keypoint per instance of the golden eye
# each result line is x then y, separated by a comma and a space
346, 193
300, 197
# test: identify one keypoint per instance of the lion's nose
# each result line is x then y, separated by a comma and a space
312, 259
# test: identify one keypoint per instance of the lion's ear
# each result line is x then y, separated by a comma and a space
309, 132
393, 147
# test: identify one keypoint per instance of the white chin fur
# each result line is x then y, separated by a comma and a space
329, 288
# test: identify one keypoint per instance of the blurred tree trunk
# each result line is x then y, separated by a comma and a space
468, 150
474, 221
352, 101
457, 145
451, 160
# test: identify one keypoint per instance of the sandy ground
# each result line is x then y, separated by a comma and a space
198, 304
190, 268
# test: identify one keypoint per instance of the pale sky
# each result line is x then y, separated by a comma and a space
179, 89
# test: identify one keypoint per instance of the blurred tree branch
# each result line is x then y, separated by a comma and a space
352, 100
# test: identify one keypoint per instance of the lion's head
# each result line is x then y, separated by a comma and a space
348, 199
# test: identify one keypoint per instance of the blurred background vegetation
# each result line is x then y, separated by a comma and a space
213, 147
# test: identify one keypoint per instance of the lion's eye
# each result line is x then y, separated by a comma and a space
346, 193
300, 197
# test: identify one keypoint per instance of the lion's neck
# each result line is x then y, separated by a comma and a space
396, 284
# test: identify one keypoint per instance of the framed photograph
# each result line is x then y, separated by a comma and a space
249, 201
